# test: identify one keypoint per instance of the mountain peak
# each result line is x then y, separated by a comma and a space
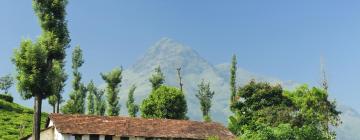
168, 44
170, 53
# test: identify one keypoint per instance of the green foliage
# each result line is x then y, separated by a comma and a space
36, 65
36, 69
51, 16
100, 103
131, 106
259, 103
58, 86
96, 104
157, 79
205, 96
233, 69
164, 102
16, 121
6, 82
113, 80
77, 60
283, 132
6, 97
36, 62
91, 98
207, 119
33, 69
267, 112
314, 108
76, 103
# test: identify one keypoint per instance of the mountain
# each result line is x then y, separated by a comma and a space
14, 118
170, 54
350, 127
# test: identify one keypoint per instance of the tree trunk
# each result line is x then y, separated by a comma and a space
57, 106
54, 108
37, 117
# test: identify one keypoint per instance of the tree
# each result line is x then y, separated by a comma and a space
34, 60
324, 81
96, 103
260, 104
6, 82
131, 106
180, 78
58, 87
113, 80
233, 69
314, 109
76, 103
325, 86
100, 103
267, 112
90, 98
157, 79
205, 96
35, 72
165, 102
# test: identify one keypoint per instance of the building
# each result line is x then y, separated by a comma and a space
86, 127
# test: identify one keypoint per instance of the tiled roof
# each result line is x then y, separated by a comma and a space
139, 127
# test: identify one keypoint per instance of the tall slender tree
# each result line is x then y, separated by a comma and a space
96, 103
76, 103
91, 98
59, 83
113, 80
100, 103
157, 79
233, 70
205, 96
130, 104
324, 81
328, 104
180, 78
34, 61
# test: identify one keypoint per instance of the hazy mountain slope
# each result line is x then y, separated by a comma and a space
350, 127
170, 55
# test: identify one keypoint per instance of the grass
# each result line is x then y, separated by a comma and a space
16, 120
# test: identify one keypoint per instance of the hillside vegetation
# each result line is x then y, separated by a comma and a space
16, 120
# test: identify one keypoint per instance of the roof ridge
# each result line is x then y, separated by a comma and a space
127, 117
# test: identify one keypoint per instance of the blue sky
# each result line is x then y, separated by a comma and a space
279, 38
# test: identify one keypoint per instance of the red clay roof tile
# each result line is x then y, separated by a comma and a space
140, 127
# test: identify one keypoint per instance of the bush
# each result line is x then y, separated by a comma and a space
165, 102
5, 97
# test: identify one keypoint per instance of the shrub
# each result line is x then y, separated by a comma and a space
165, 102
5, 97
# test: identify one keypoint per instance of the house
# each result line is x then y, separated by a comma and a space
87, 127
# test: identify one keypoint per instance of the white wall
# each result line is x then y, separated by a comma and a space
51, 123
59, 136
85, 137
